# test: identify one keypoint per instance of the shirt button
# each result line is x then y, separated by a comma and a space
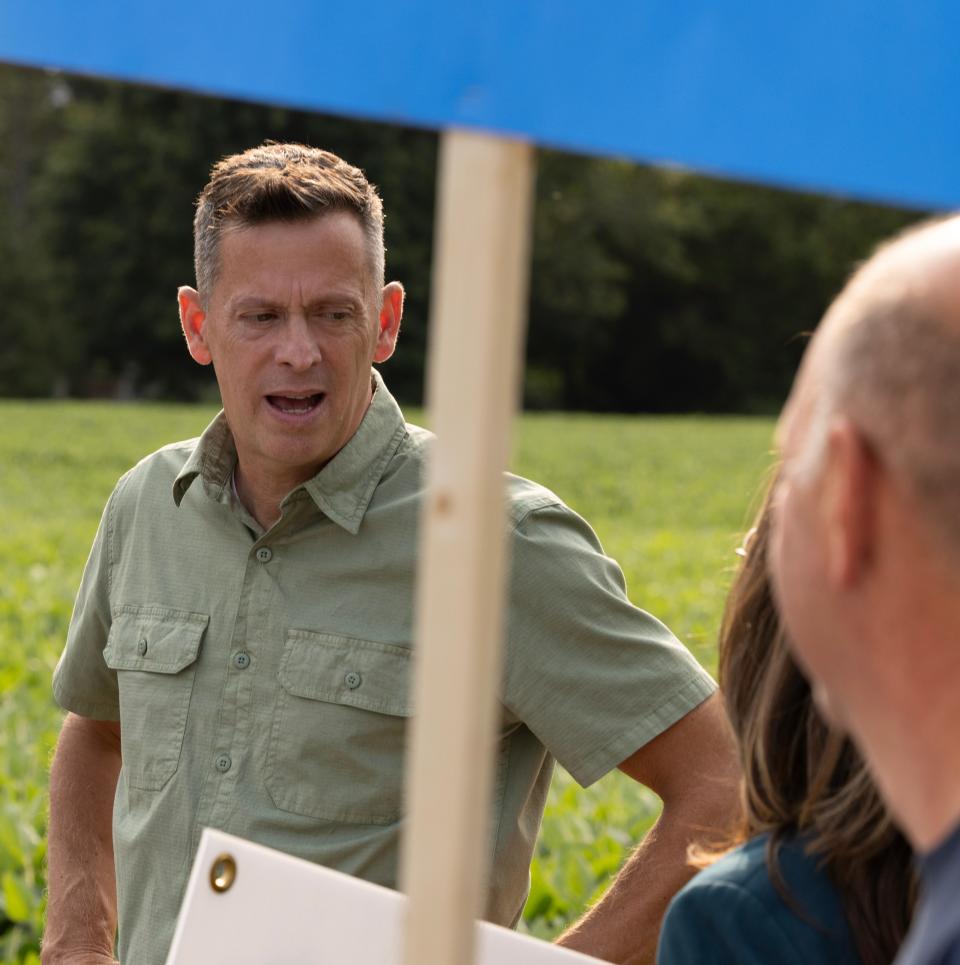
353, 680
264, 554
241, 660
222, 763
142, 646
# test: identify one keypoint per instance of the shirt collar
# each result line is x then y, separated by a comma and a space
212, 459
342, 490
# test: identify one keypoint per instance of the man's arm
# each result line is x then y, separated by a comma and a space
82, 905
693, 767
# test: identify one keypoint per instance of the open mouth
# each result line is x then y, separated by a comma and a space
295, 404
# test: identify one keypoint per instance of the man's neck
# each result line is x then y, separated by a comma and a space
261, 497
912, 748
262, 492
903, 705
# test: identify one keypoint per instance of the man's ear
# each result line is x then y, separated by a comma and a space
851, 476
389, 325
193, 320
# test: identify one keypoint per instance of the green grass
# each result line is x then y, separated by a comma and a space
668, 497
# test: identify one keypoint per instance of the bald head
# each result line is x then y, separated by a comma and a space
887, 356
865, 545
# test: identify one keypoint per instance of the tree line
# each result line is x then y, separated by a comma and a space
652, 289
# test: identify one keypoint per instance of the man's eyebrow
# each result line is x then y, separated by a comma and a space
239, 302
331, 294
336, 298
253, 300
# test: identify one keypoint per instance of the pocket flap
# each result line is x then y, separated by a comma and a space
154, 639
358, 673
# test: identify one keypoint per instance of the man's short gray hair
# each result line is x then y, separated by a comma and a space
282, 182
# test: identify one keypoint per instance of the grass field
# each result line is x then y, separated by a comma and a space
667, 496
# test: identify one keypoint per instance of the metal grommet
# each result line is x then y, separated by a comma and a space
223, 873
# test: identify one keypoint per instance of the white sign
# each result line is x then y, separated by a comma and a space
250, 905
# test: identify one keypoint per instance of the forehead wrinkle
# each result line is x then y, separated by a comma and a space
298, 295
250, 300
342, 273
329, 295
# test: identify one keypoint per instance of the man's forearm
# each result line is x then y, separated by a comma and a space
82, 905
694, 767
623, 927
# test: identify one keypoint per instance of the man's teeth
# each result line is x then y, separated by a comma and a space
294, 406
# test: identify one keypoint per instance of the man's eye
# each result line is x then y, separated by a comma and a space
337, 316
264, 316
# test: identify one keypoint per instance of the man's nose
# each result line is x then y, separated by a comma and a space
297, 346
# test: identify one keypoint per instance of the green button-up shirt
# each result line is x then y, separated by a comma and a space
262, 679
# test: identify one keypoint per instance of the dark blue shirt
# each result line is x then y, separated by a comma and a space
732, 912
934, 938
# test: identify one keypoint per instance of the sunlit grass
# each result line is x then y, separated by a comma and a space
668, 497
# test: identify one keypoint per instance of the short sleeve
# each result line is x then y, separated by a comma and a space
82, 681
722, 923
590, 674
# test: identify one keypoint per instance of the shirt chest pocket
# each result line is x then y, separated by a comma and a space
339, 729
154, 651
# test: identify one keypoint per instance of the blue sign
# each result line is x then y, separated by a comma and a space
857, 97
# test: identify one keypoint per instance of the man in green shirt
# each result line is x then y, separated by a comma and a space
239, 654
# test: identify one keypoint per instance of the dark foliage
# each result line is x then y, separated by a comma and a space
652, 290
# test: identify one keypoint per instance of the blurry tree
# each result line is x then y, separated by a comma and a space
113, 199
34, 345
651, 290
658, 290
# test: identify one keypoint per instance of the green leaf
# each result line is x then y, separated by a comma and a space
11, 850
17, 898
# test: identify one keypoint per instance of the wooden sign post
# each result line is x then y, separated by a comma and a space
479, 300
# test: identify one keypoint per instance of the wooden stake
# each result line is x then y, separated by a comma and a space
478, 311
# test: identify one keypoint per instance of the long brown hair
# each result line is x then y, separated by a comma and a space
802, 777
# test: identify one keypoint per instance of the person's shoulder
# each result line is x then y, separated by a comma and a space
744, 867
408, 458
723, 915
808, 886
524, 496
416, 440
156, 471
168, 460
737, 896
